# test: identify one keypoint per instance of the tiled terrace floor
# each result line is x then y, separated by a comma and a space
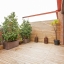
33, 53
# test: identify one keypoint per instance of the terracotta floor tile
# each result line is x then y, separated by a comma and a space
33, 53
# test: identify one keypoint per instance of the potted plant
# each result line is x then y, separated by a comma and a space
10, 31
1, 43
25, 31
55, 24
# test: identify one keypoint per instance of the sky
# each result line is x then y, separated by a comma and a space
27, 7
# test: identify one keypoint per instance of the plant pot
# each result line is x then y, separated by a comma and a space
9, 45
56, 42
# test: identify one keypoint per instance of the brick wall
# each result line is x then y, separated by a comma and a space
60, 16
42, 29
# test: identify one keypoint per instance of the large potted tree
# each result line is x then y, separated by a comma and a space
25, 31
55, 24
10, 31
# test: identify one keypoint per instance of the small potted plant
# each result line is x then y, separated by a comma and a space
55, 24
10, 31
25, 31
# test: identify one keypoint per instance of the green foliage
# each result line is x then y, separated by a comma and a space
10, 36
20, 39
10, 27
25, 29
54, 24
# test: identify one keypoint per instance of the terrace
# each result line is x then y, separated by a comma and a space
33, 53
27, 43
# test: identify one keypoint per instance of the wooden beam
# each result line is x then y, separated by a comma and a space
59, 2
62, 9
40, 14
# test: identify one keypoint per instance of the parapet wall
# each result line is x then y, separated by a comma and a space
43, 29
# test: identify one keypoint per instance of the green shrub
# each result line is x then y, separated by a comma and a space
25, 29
10, 36
10, 28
